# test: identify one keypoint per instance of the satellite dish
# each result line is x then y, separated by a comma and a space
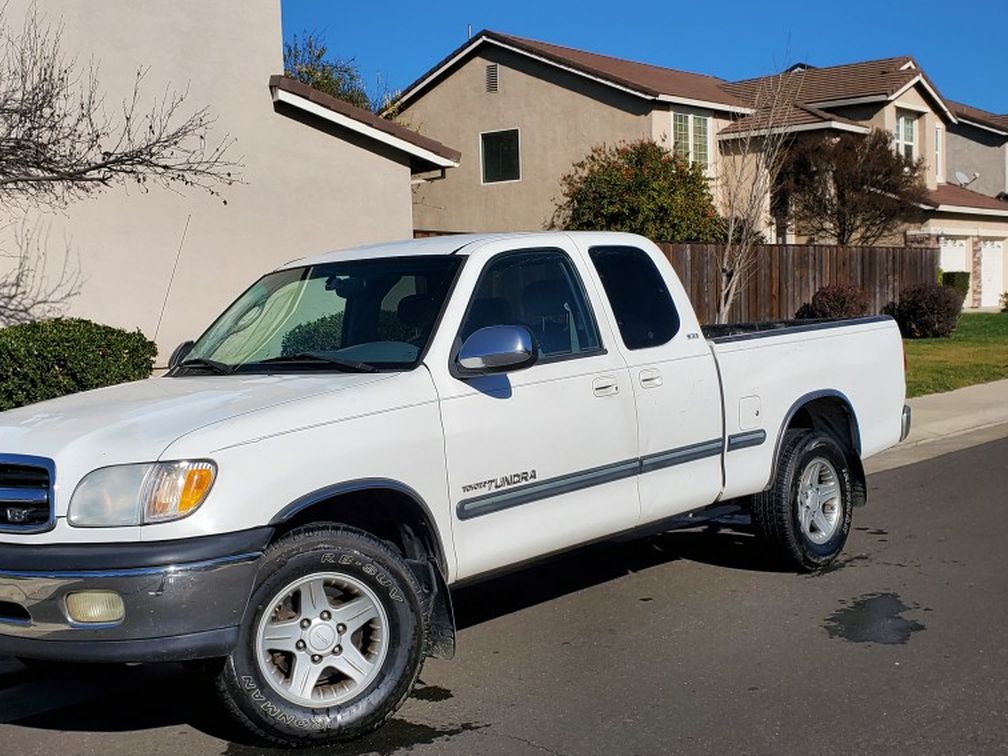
962, 178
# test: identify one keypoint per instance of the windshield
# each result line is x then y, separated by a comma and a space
358, 315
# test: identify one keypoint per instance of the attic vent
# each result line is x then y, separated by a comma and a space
491, 77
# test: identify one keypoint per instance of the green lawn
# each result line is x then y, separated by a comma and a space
976, 353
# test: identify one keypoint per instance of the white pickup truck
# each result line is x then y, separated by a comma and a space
362, 429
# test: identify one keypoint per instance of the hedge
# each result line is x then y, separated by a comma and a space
49, 358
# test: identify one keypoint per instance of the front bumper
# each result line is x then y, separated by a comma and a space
184, 599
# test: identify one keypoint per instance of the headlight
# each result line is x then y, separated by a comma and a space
140, 494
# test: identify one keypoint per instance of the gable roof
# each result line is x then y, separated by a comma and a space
642, 79
982, 118
424, 153
951, 198
846, 84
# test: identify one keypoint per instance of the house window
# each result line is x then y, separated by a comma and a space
499, 153
691, 138
938, 153
906, 134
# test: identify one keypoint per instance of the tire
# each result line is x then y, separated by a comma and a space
315, 586
804, 518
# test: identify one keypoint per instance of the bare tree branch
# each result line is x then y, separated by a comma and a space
26, 291
59, 144
750, 161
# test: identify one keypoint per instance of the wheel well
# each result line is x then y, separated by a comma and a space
392, 515
833, 415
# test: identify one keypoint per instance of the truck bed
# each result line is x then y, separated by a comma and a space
728, 332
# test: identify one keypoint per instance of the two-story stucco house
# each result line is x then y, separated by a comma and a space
522, 112
316, 173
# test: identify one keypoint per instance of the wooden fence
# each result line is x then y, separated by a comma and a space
785, 276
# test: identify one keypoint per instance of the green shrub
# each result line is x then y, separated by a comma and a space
958, 280
50, 358
1004, 302
640, 187
836, 301
927, 311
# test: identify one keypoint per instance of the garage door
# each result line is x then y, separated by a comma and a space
953, 255
991, 273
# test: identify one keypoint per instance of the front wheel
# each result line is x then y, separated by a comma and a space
805, 515
332, 641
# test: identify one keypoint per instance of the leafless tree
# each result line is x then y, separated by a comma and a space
29, 290
751, 155
59, 143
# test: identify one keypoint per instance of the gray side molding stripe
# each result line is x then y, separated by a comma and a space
747, 439
595, 476
681, 455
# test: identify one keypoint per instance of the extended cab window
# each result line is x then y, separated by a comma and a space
644, 310
539, 289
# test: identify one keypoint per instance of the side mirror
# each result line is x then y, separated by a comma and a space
497, 349
179, 354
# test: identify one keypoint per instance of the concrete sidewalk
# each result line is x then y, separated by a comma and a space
956, 412
947, 422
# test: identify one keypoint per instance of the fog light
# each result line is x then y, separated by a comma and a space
89, 607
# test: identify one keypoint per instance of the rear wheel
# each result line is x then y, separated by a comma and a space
332, 642
805, 515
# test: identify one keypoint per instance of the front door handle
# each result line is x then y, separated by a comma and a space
650, 378
606, 385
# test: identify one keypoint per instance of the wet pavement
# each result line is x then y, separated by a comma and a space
689, 642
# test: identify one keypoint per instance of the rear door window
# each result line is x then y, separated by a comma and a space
645, 312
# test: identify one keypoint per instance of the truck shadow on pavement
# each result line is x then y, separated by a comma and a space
111, 699
600, 563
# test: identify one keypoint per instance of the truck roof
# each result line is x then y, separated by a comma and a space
462, 244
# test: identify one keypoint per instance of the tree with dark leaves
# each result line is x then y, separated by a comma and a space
850, 188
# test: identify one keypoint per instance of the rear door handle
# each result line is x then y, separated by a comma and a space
606, 385
650, 378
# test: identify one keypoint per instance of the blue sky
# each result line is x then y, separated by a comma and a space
961, 45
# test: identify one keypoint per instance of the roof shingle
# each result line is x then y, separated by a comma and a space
651, 79
977, 115
959, 196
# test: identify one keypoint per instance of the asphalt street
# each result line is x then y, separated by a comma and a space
688, 642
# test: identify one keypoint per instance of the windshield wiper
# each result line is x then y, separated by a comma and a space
218, 368
350, 366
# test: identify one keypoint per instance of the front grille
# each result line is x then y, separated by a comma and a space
25, 494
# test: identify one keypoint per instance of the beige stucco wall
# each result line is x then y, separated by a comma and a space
305, 190
560, 116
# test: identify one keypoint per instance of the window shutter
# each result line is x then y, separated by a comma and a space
491, 77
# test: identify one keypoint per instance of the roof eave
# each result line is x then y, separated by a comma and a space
985, 127
827, 125
422, 159
966, 210
919, 79
484, 38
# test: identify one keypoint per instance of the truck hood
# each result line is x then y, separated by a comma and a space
136, 422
